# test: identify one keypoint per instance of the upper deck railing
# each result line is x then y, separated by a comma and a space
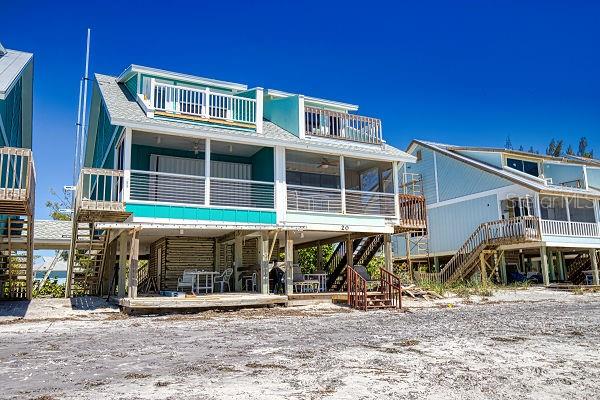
200, 103
340, 125
17, 177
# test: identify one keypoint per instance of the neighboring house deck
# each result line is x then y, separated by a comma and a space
178, 156
467, 187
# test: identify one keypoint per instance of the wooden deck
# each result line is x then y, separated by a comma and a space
304, 299
162, 304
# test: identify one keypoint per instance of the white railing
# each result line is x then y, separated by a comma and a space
166, 187
570, 228
315, 199
339, 125
370, 203
100, 189
201, 103
16, 173
242, 193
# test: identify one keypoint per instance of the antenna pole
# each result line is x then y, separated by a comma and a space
85, 86
78, 139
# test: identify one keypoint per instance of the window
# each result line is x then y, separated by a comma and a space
517, 207
553, 208
581, 210
529, 167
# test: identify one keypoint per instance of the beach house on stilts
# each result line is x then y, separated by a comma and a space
17, 174
508, 215
204, 186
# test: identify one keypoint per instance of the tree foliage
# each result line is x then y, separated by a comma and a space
307, 258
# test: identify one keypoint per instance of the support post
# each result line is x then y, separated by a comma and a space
237, 261
503, 273
561, 266
387, 253
436, 264
483, 269
289, 263
122, 264
594, 260
319, 257
349, 251
544, 263
343, 184
133, 265
552, 272
263, 259
127, 142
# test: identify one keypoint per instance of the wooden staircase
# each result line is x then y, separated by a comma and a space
364, 251
486, 239
86, 259
16, 258
386, 295
581, 263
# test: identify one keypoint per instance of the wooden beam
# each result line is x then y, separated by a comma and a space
237, 260
133, 264
594, 261
289, 263
544, 259
263, 259
122, 264
388, 253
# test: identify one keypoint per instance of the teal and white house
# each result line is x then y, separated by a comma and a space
190, 172
506, 212
17, 177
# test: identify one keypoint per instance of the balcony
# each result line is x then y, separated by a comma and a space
17, 181
340, 125
570, 228
202, 105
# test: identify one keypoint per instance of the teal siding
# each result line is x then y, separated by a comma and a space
202, 214
451, 225
457, 179
284, 112
131, 85
593, 175
104, 140
12, 117
263, 167
425, 167
562, 173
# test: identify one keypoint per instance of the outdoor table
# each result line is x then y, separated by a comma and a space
322, 278
208, 280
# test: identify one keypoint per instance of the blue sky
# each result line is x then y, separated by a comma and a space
469, 72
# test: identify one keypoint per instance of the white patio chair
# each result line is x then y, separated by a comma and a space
223, 279
250, 282
186, 280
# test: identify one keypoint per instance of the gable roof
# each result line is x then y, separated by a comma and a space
519, 178
12, 64
123, 110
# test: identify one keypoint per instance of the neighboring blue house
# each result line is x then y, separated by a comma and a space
17, 178
513, 213
198, 173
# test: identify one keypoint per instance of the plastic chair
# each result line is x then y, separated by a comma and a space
223, 279
186, 280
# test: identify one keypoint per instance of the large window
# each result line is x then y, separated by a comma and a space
553, 208
581, 210
517, 207
529, 167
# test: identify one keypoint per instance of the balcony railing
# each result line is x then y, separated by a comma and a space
100, 190
570, 228
17, 177
201, 103
242, 193
370, 203
167, 188
339, 125
314, 199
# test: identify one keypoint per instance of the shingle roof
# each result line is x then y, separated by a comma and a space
125, 111
11, 65
52, 231
512, 175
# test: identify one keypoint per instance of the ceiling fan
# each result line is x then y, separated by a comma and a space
325, 163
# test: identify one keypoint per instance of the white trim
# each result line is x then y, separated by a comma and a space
258, 118
567, 208
585, 178
301, 118
207, 172
151, 223
396, 183
515, 190
165, 203
435, 175
343, 184
127, 141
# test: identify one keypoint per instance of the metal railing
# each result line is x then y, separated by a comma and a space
242, 193
17, 176
167, 187
315, 199
100, 189
340, 125
570, 228
370, 203
202, 103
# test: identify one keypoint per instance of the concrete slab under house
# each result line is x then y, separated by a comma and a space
201, 186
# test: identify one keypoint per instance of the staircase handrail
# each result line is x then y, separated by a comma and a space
357, 289
391, 286
526, 228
